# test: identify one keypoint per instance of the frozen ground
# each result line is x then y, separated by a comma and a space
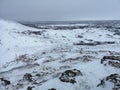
47, 59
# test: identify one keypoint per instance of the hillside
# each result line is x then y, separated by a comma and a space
49, 59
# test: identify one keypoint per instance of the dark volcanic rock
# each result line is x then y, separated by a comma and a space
114, 64
112, 57
111, 60
93, 43
29, 88
28, 77
32, 32
69, 27
52, 89
114, 79
69, 76
5, 82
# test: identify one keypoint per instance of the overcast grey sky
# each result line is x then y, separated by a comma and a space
51, 10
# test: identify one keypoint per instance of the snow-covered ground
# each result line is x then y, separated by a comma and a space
37, 58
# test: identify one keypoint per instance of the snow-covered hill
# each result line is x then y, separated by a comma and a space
46, 59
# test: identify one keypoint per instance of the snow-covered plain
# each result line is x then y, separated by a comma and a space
48, 54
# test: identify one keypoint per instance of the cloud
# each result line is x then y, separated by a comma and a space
50, 10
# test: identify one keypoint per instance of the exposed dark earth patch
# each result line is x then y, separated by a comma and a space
69, 76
